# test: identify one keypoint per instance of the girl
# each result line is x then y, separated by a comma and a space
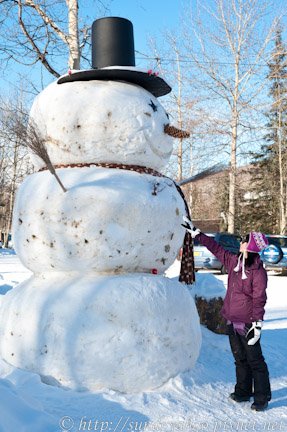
243, 308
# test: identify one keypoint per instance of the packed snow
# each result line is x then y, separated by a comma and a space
101, 121
196, 400
109, 220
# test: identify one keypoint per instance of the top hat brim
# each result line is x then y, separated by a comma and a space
151, 82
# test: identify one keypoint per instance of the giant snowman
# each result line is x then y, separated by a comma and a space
98, 311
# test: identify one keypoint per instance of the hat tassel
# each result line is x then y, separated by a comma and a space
236, 269
243, 268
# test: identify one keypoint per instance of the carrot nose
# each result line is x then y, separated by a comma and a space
175, 132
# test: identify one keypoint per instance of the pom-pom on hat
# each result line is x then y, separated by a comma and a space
257, 242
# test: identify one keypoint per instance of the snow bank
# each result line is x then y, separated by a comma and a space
18, 414
208, 286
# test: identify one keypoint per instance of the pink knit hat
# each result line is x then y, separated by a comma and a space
257, 242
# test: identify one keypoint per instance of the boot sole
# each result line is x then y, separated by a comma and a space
259, 409
247, 399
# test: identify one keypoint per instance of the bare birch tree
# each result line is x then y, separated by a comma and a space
228, 46
178, 104
14, 162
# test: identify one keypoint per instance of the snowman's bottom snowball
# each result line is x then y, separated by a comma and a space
128, 333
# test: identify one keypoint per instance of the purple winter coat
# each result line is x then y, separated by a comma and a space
245, 298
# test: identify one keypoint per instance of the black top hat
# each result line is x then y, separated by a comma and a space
113, 58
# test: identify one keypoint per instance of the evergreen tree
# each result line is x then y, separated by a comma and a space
277, 137
267, 203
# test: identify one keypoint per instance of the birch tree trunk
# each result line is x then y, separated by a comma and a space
179, 116
232, 182
73, 38
13, 186
233, 151
282, 203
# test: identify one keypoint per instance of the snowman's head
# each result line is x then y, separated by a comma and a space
109, 114
102, 121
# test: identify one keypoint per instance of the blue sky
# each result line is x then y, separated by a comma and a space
149, 17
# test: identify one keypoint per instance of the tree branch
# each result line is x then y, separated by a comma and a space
41, 56
47, 20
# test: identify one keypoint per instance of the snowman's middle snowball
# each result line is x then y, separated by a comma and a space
109, 220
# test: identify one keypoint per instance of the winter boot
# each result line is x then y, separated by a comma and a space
238, 398
259, 406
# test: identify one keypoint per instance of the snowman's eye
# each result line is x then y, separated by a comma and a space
167, 114
154, 107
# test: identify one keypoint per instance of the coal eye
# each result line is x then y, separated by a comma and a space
154, 107
167, 114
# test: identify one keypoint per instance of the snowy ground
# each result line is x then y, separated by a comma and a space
194, 401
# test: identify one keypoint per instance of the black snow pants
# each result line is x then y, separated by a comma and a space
252, 376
